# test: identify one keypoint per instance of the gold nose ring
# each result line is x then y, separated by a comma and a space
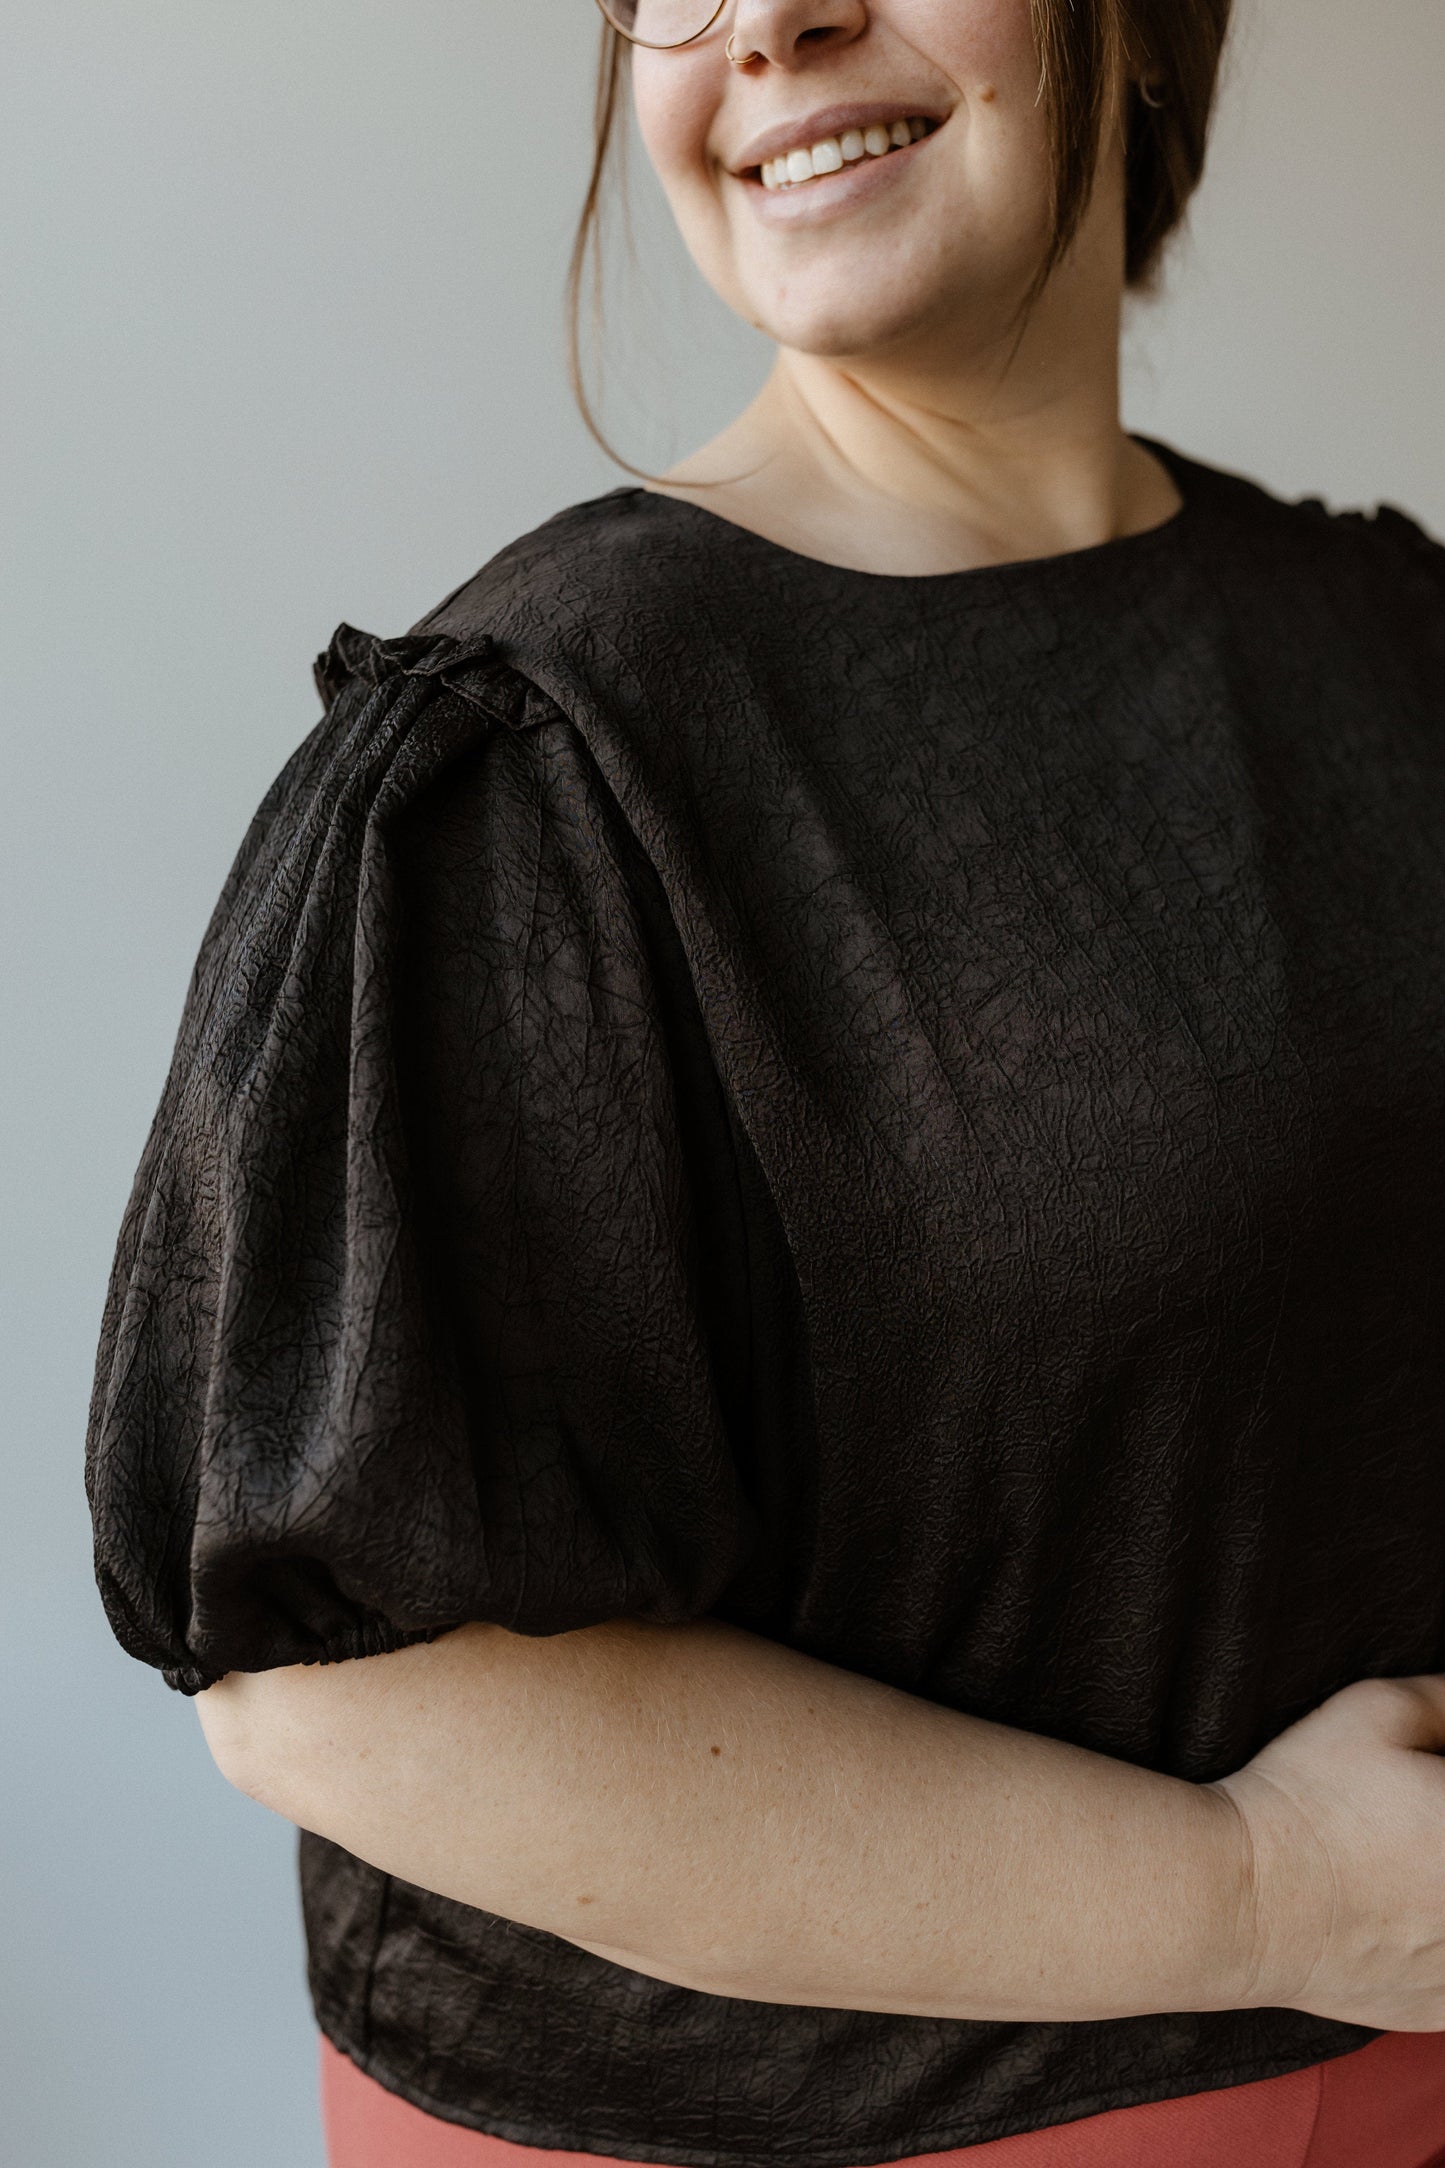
728, 49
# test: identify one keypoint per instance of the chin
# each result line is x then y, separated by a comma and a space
836, 328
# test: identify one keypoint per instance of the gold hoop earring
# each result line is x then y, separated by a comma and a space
1146, 93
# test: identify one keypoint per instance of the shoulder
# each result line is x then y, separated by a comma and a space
1378, 538
475, 664
613, 623
533, 680
611, 573
1306, 586
576, 636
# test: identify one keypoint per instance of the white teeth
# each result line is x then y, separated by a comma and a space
833, 152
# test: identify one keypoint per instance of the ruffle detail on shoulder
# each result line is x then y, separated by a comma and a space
1388, 522
461, 664
1402, 527
1414, 566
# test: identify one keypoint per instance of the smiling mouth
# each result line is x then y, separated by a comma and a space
852, 146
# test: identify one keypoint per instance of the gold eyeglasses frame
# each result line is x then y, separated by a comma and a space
650, 43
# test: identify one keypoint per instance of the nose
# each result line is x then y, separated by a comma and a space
785, 32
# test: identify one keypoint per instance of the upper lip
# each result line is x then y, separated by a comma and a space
828, 120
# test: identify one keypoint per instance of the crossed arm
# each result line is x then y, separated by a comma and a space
719, 1811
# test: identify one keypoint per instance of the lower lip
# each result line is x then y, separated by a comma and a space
828, 195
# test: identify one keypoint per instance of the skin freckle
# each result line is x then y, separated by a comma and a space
717, 1750
587, 1900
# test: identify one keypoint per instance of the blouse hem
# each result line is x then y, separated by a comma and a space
561, 2138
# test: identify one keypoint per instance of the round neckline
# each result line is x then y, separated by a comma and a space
1067, 563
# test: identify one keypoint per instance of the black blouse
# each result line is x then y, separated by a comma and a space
902, 1112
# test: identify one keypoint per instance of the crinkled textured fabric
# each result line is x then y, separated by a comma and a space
1379, 2106
904, 1113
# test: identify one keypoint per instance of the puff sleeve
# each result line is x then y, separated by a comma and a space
417, 1315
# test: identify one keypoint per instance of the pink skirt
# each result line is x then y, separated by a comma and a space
1380, 2106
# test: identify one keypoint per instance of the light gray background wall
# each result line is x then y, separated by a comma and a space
283, 346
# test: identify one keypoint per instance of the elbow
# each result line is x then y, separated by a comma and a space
224, 1732
238, 1718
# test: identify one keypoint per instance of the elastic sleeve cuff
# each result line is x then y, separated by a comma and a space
376, 1637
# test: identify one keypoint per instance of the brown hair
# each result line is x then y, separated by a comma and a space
1176, 45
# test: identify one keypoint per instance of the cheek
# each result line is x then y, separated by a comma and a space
1000, 163
675, 101
976, 41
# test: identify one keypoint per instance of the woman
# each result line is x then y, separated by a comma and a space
776, 1361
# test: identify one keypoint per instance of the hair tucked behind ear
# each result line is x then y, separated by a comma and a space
1176, 45
1183, 45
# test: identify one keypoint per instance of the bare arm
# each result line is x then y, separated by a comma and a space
719, 1811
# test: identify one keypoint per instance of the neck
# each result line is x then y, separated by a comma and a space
957, 446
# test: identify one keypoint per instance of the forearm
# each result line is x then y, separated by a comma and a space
714, 1809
